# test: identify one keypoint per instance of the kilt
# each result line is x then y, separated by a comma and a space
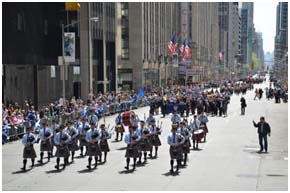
155, 141
186, 147
73, 146
62, 151
144, 144
176, 153
83, 141
45, 145
119, 129
29, 152
132, 151
104, 146
93, 150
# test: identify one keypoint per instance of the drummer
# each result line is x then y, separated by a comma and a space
203, 120
175, 141
185, 132
194, 127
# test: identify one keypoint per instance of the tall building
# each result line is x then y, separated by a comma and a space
32, 43
205, 40
281, 41
144, 30
247, 32
229, 26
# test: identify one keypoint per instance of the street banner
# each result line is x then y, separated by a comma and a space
69, 47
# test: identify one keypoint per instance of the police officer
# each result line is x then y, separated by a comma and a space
28, 140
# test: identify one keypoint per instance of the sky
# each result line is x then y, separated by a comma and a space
265, 22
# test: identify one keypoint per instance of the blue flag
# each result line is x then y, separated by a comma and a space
139, 94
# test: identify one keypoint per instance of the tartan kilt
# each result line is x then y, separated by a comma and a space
93, 150
132, 151
45, 145
29, 152
104, 146
120, 129
73, 146
144, 144
186, 147
176, 153
154, 140
83, 141
62, 151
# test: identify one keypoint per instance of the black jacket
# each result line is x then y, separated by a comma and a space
266, 129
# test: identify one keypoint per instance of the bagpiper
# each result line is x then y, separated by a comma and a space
119, 129
185, 132
175, 141
154, 138
144, 143
72, 144
104, 146
61, 140
93, 138
194, 128
54, 128
132, 150
82, 129
175, 119
28, 140
45, 145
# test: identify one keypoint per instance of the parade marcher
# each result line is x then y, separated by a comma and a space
150, 118
104, 146
144, 143
175, 141
263, 130
28, 140
45, 145
194, 127
93, 137
61, 140
175, 118
154, 138
260, 93
132, 150
256, 94
243, 105
183, 130
82, 136
54, 128
134, 120
72, 145
203, 123
119, 127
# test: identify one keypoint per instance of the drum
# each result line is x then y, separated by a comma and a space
126, 118
204, 128
198, 134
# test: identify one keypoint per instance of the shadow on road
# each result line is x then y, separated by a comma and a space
22, 171
122, 148
171, 174
126, 171
54, 171
87, 170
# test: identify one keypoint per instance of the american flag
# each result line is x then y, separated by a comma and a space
187, 51
172, 45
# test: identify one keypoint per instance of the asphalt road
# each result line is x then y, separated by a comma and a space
227, 161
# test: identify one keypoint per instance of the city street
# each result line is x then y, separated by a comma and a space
227, 161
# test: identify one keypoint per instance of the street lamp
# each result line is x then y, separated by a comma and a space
95, 19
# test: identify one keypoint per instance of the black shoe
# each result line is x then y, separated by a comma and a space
89, 167
64, 165
259, 151
56, 167
95, 165
139, 162
171, 171
24, 169
116, 139
40, 161
82, 155
126, 167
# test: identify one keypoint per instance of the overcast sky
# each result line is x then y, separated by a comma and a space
265, 22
